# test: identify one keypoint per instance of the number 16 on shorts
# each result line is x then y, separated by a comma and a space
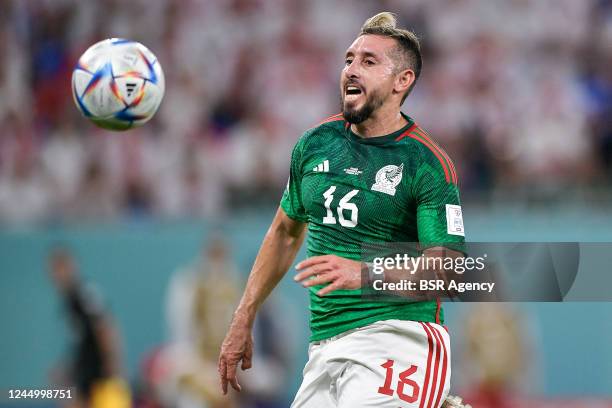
404, 381
422, 383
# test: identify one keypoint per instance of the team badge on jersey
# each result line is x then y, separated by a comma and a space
388, 178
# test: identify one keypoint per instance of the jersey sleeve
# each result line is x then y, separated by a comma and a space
439, 213
291, 202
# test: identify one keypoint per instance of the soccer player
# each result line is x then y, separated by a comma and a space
95, 366
369, 174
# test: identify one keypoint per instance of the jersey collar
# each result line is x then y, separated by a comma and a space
379, 140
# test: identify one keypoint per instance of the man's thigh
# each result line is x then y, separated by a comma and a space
314, 392
393, 364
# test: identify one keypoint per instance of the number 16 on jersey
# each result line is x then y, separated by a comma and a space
343, 205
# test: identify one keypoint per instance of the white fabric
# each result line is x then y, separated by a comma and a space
346, 371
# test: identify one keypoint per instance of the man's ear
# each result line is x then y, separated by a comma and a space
403, 81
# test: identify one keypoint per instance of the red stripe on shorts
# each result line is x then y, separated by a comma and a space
444, 363
427, 370
435, 370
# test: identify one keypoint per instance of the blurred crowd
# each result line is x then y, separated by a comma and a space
180, 371
519, 92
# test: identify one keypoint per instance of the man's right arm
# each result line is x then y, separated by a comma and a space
277, 253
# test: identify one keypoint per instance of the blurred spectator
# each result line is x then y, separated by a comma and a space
64, 157
200, 303
94, 366
25, 196
488, 376
94, 199
151, 377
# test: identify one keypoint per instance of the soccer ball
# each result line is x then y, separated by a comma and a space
118, 84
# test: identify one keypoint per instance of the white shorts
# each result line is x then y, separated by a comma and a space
390, 363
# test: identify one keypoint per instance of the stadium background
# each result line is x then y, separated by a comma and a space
518, 92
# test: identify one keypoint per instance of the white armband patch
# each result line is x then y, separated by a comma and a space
454, 220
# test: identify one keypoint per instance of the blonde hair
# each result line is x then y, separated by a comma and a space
384, 20
407, 54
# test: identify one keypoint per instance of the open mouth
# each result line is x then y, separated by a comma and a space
352, 90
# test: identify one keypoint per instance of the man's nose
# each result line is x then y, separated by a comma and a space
352, 71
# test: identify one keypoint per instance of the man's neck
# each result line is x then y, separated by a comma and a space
380, 123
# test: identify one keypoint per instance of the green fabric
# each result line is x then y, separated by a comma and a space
412, 211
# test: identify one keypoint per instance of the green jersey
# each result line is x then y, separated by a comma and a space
351, 190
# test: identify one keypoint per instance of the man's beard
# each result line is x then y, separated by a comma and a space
356, 116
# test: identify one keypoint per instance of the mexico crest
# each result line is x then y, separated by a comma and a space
388, 178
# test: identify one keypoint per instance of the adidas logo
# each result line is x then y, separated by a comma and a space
322, 167
130, 88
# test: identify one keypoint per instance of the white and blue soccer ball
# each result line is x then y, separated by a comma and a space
118, 84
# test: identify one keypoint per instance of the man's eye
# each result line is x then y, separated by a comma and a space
348, 61
369, 62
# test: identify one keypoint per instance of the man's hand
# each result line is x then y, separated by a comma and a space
339, 272
237, 346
